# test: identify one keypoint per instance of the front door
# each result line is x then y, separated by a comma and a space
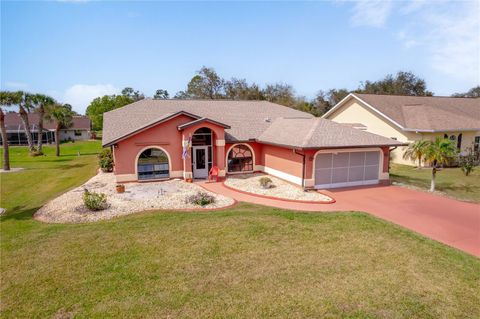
200, 161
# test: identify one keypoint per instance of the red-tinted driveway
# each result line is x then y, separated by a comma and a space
447, 220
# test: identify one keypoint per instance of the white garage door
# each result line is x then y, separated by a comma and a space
346, 169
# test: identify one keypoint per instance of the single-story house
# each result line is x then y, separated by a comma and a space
80, 129
158, 139
412, 118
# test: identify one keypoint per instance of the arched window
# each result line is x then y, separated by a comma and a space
153, 164
240, 159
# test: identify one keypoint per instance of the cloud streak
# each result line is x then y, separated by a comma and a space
371, 13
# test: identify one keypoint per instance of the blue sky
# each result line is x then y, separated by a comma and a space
76, 50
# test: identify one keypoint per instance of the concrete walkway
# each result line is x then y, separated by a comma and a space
449, 221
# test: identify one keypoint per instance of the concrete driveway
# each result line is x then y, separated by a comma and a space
449, 221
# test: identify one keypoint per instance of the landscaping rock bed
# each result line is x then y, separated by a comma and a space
250, 183
171, 194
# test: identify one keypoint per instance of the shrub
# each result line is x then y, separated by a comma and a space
94, 201
265, 182
105, 160
200, 198
468, 161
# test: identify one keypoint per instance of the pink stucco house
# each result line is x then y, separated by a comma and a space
161, 139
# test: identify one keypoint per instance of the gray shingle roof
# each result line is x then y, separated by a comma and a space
320, 133
247, 119
428, 113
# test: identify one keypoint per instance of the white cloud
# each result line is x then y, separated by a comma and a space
16, 85
448, 31
371, 13
80, 95
454, 41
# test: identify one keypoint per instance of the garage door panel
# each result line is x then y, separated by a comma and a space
357, 159
340, 175
347, 169
355, 174
371, 158
340, 160
323, 176
324, 161
371, 172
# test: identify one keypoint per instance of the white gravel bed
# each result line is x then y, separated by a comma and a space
251, 183
171, 194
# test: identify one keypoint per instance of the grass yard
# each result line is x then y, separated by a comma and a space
450, 181
249, 261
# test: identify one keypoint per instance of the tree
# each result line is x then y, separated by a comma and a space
239, 89
181, 95
416, 151
280, 93
439, 152
62, 115
206, 84
132, 94
7, 99
473, 92
104, 104
403, 83
41, 102
26, 103
161, 94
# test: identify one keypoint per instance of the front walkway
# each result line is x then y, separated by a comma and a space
449, 221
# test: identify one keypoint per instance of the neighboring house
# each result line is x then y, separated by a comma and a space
412, 118
80, 129
149, 137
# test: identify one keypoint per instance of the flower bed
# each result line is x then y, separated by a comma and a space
171, 194
250, 183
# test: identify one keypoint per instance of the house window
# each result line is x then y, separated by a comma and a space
459, 141
476, 144
153, 164
78, 133
240, 159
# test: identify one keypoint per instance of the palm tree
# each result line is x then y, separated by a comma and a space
42, 102
62, 114
439, 152
6, 99
26, 103
416, 151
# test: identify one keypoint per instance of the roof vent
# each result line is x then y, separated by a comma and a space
267, 119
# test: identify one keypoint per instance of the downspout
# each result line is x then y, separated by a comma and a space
303, 167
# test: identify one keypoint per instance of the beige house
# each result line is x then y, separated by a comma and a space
411, 118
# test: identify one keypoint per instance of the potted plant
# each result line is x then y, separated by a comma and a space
120, 188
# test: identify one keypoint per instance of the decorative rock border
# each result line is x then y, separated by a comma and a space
331, 201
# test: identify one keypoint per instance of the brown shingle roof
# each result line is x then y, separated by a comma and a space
320, 133
427, 113
247, 119
14, 122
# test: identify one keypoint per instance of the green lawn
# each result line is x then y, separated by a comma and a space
450, 181
249, 261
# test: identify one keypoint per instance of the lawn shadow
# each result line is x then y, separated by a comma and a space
18, 213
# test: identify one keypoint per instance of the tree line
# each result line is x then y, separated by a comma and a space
47, 109
207, 84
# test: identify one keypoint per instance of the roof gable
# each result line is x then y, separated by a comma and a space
419, 113
114, 137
